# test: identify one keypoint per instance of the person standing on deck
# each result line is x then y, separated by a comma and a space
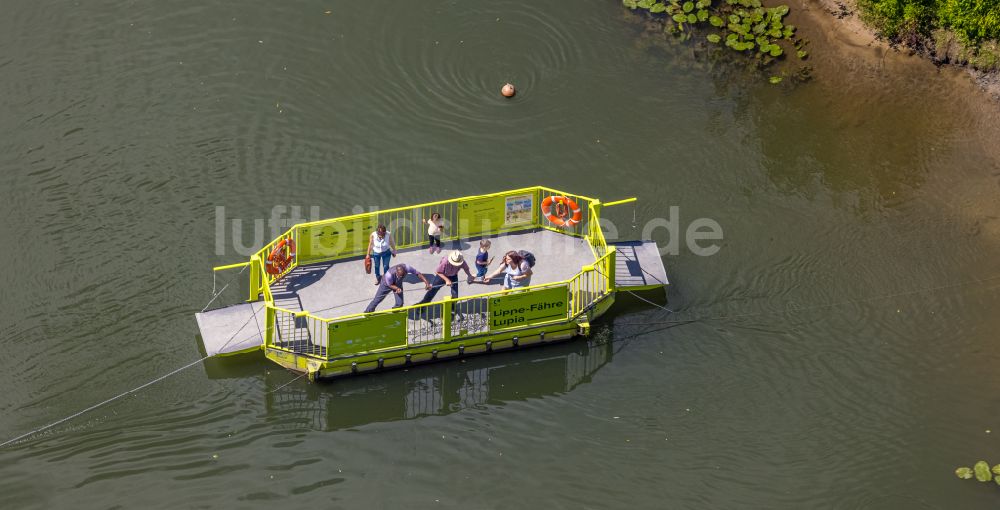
381, 246
393, 282
517, 271
483, 259
447, 275
434, 229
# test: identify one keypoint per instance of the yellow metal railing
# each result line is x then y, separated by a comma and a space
298, 332
589, 227
595, 236
260, 281
591, 285
585, 204
306, 334
348, 236
264, 252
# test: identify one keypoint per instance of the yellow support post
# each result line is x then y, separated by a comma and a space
595, 211
255, 277
269, 328
609, 268
446, 317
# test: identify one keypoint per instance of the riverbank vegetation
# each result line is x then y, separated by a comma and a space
949, 31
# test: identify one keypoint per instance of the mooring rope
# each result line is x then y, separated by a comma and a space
100, 404
416, 289
253, 316
217, 294
668, 324
300, 376
661, 307
129, 392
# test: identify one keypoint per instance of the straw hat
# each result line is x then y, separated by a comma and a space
455, 258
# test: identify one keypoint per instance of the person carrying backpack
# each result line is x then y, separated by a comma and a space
528, 257
517, 271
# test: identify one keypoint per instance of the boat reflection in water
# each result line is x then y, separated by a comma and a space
426, 390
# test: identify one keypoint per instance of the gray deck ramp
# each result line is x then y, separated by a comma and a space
232, 329
638, 264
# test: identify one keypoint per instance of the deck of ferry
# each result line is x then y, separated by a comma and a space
339, 288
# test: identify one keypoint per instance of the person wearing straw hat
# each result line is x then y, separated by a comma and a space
447, 275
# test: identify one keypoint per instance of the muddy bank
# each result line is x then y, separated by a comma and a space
840, 20
867, 85
880, 127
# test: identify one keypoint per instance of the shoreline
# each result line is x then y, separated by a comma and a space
853, 48
855, 45
844, 24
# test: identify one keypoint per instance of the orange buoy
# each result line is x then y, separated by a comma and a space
508, 90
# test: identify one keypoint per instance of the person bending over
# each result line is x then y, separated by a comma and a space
393, 282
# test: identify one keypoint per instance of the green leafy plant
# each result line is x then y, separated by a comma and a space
757, 28
981, 471
745, 27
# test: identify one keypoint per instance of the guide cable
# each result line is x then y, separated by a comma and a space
667, 323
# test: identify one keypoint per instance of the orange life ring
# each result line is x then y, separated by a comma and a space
277, 261
564, 208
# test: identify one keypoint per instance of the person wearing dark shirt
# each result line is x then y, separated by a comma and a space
393, 282
483, 260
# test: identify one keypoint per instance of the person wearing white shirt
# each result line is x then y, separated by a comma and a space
381, 247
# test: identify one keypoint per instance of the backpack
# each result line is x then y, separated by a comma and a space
528, 257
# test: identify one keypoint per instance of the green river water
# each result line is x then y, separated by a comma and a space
846, 349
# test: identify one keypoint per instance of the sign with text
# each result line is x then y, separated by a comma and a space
481, 215
526, 308
488, 214
367, 334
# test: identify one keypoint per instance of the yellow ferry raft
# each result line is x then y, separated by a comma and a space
308, 288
